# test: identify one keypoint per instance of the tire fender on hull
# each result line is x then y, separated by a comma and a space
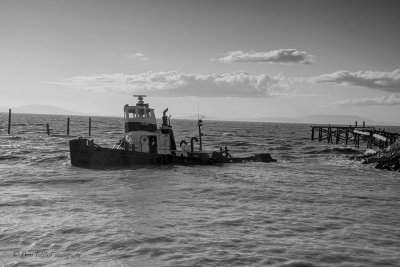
168, 159
158, 159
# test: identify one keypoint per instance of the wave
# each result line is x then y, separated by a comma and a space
53, 159
62, 135
64, 181
26, 203
12, 137
230, 222
235, 143
297, 264
281, 148
288, 157
10, 157
157, 239
45, 181
153, 252
73, 230
307, 148
334, 150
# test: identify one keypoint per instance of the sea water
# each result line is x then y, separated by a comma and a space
313, 207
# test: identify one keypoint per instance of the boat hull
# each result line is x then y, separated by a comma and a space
85, 153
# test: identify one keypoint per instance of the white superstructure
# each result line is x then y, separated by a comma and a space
141, 132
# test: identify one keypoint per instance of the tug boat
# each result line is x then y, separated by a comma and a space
143, 144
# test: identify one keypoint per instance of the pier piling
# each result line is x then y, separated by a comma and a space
90, 125
9, 121
312, 133
337, 136
320, 134
68, 126
329, 134
48, 129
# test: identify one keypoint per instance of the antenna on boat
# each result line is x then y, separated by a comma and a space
140, 98
200, 123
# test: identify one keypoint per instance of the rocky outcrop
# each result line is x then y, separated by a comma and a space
387, 159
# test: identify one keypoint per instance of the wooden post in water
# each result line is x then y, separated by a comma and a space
347, 135
329, 133
356, 123
355, 139
68, 126
90, 125
312, 133
337, 135
370, 141
320, 135
48, 129
9, 121
363, 123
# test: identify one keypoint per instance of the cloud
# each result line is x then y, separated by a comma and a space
385, 81
138, 56
173, 84
391, 100
283, 56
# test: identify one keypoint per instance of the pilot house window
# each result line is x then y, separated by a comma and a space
139, 113
148, 113
131, 114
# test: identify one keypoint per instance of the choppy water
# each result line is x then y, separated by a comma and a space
313, 207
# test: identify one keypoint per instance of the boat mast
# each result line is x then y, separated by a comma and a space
200, 123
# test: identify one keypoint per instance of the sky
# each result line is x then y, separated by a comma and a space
225, 59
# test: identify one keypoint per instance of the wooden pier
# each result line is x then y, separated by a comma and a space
369, 136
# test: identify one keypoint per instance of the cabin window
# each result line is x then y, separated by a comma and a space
148, 113
141, 112
131, 113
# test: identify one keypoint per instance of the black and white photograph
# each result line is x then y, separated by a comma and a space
191, 133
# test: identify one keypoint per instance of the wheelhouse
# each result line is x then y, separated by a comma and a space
139, 117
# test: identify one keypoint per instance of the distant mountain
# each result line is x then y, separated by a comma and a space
324, 119
338, 119
41, 109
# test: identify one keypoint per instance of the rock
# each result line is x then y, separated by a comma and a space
388, 159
